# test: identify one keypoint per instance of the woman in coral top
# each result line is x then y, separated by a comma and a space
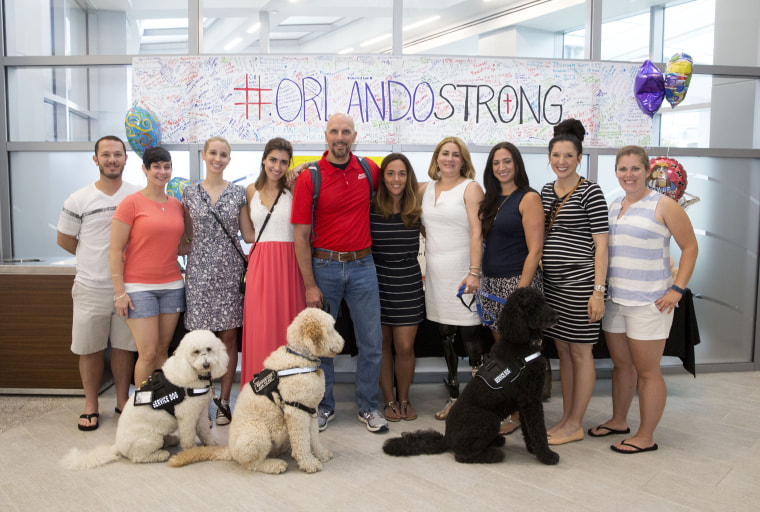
146, 236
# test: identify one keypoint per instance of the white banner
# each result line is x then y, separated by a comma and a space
393, 100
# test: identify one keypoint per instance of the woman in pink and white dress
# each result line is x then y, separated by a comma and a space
274, 292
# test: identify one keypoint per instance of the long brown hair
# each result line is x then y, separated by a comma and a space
276, 144
411, 210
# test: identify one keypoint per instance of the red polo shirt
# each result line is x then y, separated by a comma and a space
342, 214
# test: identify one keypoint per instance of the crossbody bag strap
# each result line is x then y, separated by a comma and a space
210, 209
266, 220
556, 212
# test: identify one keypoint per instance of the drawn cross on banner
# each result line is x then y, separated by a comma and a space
248, 89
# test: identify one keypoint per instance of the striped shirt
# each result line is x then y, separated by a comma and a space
639, 249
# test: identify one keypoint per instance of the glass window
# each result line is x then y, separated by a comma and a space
42, 102
712, 115
496, 28
690, 28
730, 186
62, 27
626, 39
41, 182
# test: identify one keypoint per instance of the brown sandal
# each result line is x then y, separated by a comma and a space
443, 413
407, 412
395, 414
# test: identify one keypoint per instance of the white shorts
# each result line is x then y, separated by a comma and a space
637, 322
96, 321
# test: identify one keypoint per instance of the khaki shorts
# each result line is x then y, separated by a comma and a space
637, 322
95, 322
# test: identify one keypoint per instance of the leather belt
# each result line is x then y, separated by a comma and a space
341, 256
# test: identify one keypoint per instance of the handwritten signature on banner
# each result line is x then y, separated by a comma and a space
393, 100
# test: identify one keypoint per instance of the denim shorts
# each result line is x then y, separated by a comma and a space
154, 302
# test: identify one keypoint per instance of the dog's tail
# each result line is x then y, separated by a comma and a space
199, 454
416, 443
100, 456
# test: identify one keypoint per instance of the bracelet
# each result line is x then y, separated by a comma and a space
598, 298
115, 275
475, 275
678, 289
473, 266
115, 298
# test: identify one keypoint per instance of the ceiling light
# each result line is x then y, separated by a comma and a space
422, 22
253, 28
375, 40
345, 50
229, 46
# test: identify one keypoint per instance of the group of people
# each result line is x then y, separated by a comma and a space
348, 230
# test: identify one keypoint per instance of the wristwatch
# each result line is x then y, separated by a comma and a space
599, 288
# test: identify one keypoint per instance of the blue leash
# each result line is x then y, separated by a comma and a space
485, 316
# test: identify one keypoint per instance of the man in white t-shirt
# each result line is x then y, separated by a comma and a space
84, 229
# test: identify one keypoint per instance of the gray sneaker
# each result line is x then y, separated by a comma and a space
324, 416
374, 420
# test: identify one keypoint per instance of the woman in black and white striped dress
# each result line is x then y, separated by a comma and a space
395, 227
575, 268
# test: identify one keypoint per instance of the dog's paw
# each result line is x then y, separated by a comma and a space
323, 456
310, 465
549, 457
270, 466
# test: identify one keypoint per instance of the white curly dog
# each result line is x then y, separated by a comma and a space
277, 410
178, 402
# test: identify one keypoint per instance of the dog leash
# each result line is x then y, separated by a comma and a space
486, 317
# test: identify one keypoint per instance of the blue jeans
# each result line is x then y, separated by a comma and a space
356, 283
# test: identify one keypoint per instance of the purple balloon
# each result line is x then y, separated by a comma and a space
649, 88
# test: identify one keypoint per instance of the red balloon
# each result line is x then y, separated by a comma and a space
667, 177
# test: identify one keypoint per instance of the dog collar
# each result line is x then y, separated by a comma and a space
313, 360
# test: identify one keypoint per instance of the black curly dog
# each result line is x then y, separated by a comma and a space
505, 384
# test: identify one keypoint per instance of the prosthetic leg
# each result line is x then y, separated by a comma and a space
474, 353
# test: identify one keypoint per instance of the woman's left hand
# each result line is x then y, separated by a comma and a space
667, 302
471, 284
595, 309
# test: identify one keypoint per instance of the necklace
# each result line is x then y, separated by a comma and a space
502, 204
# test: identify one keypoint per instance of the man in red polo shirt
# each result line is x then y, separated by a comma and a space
337, 264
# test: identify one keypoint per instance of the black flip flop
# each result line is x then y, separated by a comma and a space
88, 417
610, 431
636, 449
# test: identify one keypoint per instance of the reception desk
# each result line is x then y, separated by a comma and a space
35, 328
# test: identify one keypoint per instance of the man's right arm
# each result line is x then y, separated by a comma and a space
302, 243
67, 242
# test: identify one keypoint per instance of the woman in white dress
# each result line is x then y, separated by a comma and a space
453, 252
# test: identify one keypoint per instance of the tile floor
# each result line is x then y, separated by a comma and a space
709, 459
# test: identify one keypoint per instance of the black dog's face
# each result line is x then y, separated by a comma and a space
526, 315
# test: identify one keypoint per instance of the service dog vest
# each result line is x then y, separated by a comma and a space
159, 393
496, 375
267, 383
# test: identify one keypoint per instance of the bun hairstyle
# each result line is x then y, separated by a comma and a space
570, 130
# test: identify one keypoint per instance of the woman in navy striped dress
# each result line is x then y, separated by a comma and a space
575, 268
395, 227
